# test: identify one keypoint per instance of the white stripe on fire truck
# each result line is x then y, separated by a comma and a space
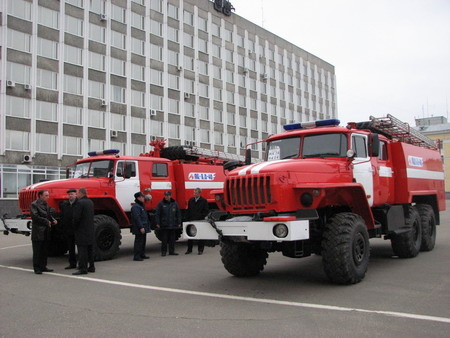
161, 185
385, 171
203, 185
34, 186
256, 168
424, 174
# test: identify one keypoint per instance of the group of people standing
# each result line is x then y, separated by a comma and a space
77, 217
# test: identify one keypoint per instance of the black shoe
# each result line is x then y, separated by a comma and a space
200, 252
163, 254
79, 272
91, 269
145, 257
70, 267
173, 254
38, 272
138, 259
188, 252
47, 270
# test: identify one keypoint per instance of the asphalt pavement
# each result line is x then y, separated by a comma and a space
194, 296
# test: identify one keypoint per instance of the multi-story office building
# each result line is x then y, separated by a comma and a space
83, 75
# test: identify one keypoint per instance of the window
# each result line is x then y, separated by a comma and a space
243, 121
118, 122
218, 116
174, 81
172, 11
156, 77
229, 76
156, 52
18, 106
242, 142
73, 55
97, 61
202, 45
231, 140
72, 145
188, 109
156, 5
174, 106
118, 66
21, 41
215, 29
72, 115
217, 72
118, 94
172, 34
96, 89
97, 33
17, 140
241, 80
118, 40
189, 86
228, 35
202, 24
73, 84
156, 102
188, 63
137, 21
205, 136
138, 125
73, 25
118, 13
97, 6
264, 126
230, 97
156, 27
254, 123
203, 113
20, 8
174, 130
156, 128
217, 94
137, 72
18, 73
240, 41
383, 155
202, 67
96, 118
218, 138
188, 40
47, 48
228, 55
78, 3
253, 104
45, 143
159, 170
359, 146
203, 90
173, 57
137, 98
189, 133
120, 146
231, 118
137, 149
95, 145
188, 18
241, 60
216, 50
46, 79
47, 111
138, 46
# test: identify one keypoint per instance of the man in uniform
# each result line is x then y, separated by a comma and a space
42, 220
67, 208
140, 225
197, 210
168, 221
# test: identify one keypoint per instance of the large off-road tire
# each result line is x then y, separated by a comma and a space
428, 222
345, 248
177, 235
107, 237
407, 244
242, 259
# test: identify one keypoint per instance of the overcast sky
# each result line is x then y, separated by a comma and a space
390, 56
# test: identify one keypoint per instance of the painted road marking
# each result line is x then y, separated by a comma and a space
247, 299
15, 246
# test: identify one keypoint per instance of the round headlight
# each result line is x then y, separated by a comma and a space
306, 199
280, 230
191, 230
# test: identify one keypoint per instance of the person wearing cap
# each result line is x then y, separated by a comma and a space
168, 220
140, 226
67, 208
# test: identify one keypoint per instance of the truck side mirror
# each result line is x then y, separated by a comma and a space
248, 156
374, 145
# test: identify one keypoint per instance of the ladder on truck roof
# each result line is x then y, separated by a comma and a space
397, 130
213, 154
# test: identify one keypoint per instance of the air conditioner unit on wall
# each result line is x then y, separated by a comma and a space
152, 112
27, 87
104, 103
114, 133
264, 76
187, 95
245, 71
153, 138
10, 84
179, 68
27, 158
103, 17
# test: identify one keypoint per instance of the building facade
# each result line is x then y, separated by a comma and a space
84, 75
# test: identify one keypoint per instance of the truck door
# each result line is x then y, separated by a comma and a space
383, 176
362, 166
127, 183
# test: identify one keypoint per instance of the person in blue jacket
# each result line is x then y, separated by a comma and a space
140, 226
168, 221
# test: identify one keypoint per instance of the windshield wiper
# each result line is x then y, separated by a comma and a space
290, 156
321, 155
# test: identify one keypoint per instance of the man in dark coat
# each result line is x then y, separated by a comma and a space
197, 210
140, 226
168, 221
83, 220
42, 220
67, 208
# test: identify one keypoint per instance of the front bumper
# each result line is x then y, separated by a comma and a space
252, 231
17, 226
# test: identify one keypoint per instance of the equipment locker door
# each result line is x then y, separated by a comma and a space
362, 166
127, 183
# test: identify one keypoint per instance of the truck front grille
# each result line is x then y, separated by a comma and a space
248, 192
26, 197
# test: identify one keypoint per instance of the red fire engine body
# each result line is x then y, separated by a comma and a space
111, 181
327, 189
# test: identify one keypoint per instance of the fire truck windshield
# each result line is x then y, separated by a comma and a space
283, 149
325, 145
91, 169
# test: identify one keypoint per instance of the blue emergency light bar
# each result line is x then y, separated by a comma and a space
104, 152
312, 124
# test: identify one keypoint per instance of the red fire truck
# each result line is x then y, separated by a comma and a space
326, 189
111, 181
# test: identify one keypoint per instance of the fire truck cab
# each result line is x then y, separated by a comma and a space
327, 189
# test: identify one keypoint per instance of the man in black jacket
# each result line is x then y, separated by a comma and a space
168, 221
140, 225
67, 208
42, 220
197, 210
83, 220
